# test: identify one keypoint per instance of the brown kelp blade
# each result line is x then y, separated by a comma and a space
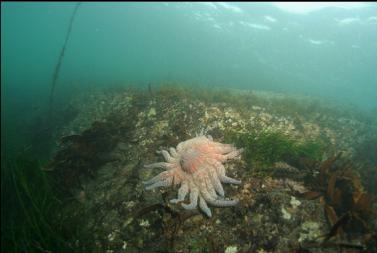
337, 227
310, 195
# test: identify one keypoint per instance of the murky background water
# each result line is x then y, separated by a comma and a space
325, 53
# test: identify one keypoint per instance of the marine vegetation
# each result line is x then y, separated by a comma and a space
28, 221
60, 60
348, 207
197, 166
81, 154
366, 152
266, 148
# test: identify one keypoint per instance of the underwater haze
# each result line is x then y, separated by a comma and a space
261, 116
329, 52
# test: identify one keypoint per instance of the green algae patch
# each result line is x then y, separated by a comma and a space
266, 148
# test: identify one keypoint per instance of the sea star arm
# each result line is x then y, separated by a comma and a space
194, 194
167, 156
159, 177
162, 165
203, 206
182, 192
218, 202
163, 183
173, 153
229, 180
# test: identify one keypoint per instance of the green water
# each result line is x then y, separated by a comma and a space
257, 46
330, 53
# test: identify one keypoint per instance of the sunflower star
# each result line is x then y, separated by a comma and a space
196, 165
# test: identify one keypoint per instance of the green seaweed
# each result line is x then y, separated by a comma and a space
312, 149
264, 149
29, 207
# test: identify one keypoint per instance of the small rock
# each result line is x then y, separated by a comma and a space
294, 202
286, 214
231, 249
